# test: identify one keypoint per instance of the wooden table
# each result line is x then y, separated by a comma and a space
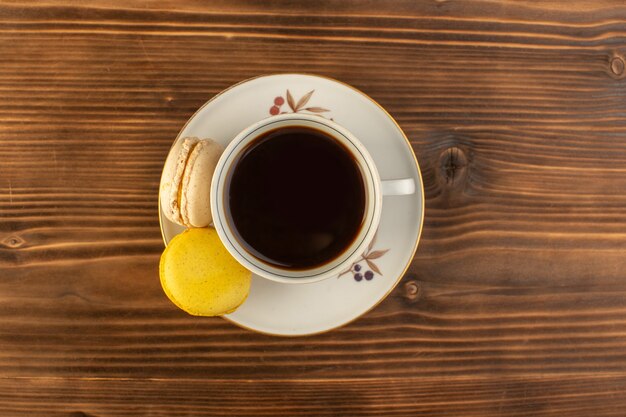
515, 304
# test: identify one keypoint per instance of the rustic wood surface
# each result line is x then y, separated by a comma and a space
515, 304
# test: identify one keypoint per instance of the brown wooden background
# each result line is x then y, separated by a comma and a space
515, 304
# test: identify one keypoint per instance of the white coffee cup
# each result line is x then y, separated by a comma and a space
375, 189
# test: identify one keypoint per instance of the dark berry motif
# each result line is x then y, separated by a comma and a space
368, 257
279, 101
274, 110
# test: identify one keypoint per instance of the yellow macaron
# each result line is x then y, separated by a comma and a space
200, 276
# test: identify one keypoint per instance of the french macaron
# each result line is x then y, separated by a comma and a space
186, 182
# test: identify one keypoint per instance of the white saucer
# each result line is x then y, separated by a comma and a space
292, 310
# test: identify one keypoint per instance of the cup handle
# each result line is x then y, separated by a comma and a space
403, 186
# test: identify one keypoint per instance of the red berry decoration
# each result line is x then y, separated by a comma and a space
279, 101
274, 110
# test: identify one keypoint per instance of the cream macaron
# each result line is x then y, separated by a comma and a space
186, 182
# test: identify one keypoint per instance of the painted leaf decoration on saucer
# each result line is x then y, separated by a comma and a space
303, 100
316, 109
290, 101
377, 254
357, 267
373, 266
296, 107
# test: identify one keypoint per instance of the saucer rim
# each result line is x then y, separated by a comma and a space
419, 174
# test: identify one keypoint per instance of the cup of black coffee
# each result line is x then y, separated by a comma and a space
297, 198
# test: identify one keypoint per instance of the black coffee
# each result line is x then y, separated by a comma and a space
296, 197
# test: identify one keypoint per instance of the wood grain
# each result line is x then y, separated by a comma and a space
515, 304
473, 397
